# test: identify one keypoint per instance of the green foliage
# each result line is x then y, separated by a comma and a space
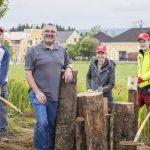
87, 47
21, 27
3, 7
73, 50
95, 29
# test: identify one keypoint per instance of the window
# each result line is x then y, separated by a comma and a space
122, 55
15, 42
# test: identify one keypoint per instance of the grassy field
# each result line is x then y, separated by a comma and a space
18, 88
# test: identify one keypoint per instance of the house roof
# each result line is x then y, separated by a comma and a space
129, 35
63, 36
102, 37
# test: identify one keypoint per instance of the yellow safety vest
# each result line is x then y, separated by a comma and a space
144, 68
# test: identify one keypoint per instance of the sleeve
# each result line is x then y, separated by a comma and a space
111, 82
146, 76
67, 61
88, 79
29, 60
4, 67
139, 65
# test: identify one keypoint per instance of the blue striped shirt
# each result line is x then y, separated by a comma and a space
4, 63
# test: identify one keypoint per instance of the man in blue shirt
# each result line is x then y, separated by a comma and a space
4, 63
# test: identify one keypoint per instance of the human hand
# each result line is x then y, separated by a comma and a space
41, 97
68, 76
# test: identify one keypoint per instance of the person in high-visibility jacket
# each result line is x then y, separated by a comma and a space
144, 70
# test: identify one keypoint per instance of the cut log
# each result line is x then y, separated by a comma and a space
132, 97
90, 106
80, 134
108, 122
124, 124
65, 132
108, 126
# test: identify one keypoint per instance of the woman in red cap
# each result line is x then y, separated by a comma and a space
101, 75
144, 70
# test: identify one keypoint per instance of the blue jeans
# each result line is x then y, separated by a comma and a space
44, 130
3, 113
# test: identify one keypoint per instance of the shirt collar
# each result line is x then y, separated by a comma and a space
45, 48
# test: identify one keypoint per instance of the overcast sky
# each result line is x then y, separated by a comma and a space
81, 14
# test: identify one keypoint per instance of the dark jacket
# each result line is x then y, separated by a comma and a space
104, 79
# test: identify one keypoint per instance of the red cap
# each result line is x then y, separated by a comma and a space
143, 36
1, 29
101, 48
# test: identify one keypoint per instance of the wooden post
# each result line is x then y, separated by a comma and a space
108, 122
80, 134
65, 132
108, 126
124, 123
132, 97
90, 106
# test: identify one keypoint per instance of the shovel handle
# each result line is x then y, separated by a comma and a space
11, 105
141, 127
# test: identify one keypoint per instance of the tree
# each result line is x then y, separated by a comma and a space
3, 7
87, 47
96, 29
73, 50
21, 27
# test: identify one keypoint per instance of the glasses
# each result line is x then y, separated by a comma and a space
50, 31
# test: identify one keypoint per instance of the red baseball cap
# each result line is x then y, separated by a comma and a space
101, 48
143, 36
1, 29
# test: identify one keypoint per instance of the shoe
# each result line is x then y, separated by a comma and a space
3, 138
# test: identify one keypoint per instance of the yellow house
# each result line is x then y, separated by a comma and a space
22, 41
19, 43
124, 46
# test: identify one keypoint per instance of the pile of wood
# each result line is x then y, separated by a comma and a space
83, 122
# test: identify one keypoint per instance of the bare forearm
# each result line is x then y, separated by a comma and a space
30, 80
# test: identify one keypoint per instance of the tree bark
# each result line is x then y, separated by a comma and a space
65, 132
80, 134
132, 97
124, 124
90, 106
108, 122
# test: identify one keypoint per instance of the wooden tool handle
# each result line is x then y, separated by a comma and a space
141, 127
11, 105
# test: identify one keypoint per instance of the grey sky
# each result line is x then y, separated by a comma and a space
81, 14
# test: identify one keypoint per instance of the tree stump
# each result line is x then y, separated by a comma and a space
108, 122
90, 106
124, 124
80, 134
132, 97
65, 132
